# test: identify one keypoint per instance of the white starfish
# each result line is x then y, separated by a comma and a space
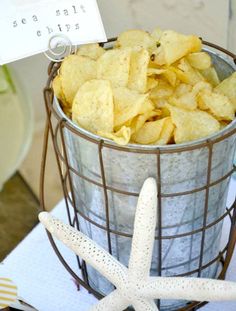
134, 286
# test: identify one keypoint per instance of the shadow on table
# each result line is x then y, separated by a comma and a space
18, 213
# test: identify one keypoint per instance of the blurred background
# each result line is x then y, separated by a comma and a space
213, 20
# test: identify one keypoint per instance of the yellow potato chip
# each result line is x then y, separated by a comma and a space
114, 66
155, 71
166, 133
188, 74
202, 86
191, 125
128, 104
177, 45
199, 60
186, 101
217, 104
93, 106
121, 137
57, 88
161, 103
147, 106
165, 112
157, 55
182, 89
162, 90
135, 38
74, 71
151, 83
170, 76
149, 132
93, 51
138, 70
137, 122
58, 92
181, 75
228, 88
211, 76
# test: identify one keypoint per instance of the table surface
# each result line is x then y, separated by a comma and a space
45, 284
18, 213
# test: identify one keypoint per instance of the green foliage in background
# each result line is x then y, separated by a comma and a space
6, 83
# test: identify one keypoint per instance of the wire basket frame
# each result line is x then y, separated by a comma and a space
56, 127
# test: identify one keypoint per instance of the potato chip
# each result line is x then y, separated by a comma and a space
151, 83
170, 76
114, 66
217, 104
138, 70
202, 86
162, 90
161, 103
186, 101
199, 60
181, 75
74, 71
138, 121
149, 132
187, 73
155, 71
182, 89
147, 105
121, 137
57, 88
166, 133
185, 95
177, 45
135, 38
58, 92
93, 106
228, 88
191, 125
157, 55
165, 112
211, 76
128, 104
93, 51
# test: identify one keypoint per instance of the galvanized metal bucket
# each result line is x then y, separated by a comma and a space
193, 179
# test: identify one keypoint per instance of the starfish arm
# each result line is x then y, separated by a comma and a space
112, 302
145, 304
87, 249
144, 232
196, 289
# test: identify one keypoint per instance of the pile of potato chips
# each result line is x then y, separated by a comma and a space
157, 88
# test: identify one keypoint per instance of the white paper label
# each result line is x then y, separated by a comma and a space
27, 25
